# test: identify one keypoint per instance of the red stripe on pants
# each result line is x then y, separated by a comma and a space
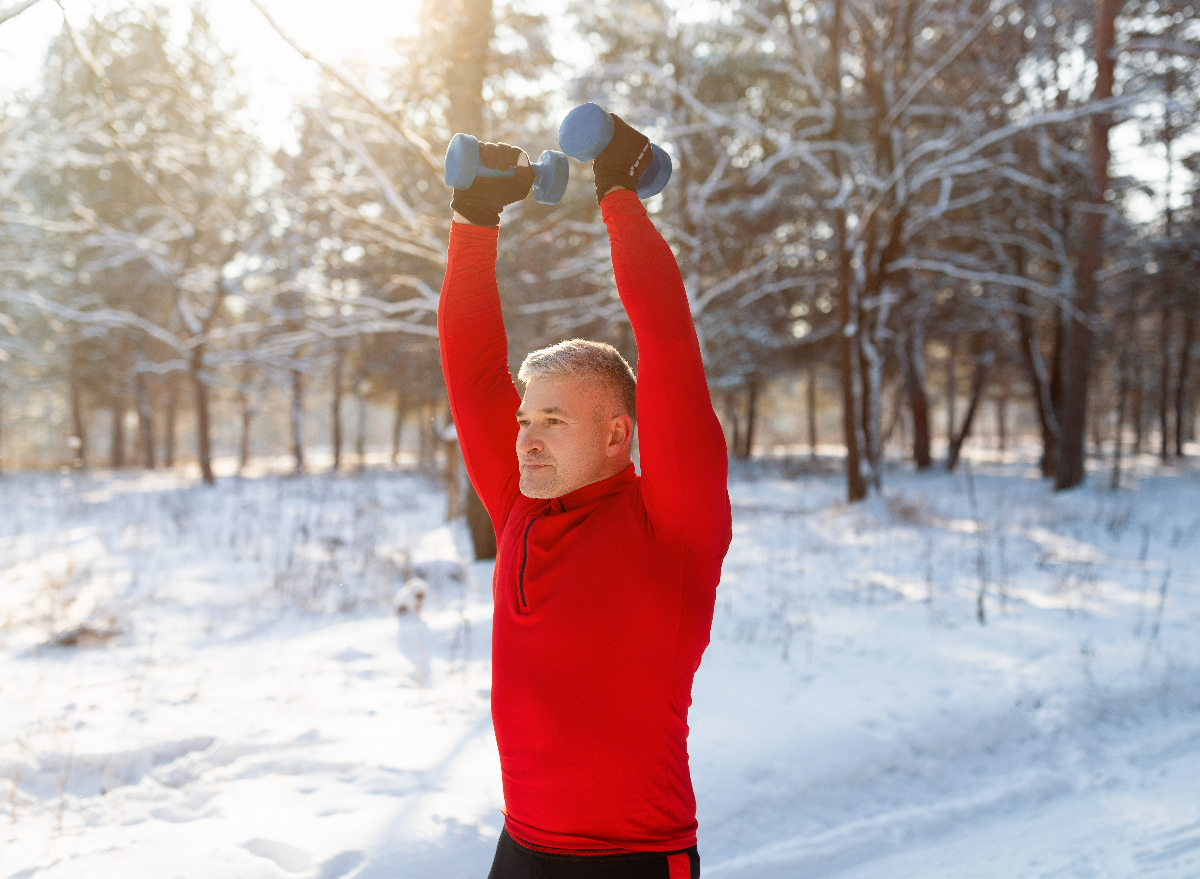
679, 867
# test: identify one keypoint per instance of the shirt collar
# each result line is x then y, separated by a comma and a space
596, 491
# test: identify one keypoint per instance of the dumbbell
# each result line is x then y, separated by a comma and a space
550, 172
588, 129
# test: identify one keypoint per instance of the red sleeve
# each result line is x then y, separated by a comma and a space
682, 447
483, 399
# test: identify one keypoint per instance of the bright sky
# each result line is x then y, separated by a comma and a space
362, 29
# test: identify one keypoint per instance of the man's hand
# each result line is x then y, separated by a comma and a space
481, 204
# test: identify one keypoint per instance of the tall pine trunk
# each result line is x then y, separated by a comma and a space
472, 27
1070, 470
849, 356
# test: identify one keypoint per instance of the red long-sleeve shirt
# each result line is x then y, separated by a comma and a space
603, 597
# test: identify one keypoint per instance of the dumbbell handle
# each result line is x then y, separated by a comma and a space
550, 172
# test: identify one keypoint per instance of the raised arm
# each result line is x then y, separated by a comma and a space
483, 399
682, 447
474, 350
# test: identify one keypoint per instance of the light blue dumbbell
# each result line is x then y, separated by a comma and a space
589, 128
550, 172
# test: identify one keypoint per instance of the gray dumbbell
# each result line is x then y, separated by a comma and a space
589, 128
550, 172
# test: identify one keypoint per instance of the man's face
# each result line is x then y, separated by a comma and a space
568, 436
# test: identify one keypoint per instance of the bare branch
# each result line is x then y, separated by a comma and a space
15, 10
418, 144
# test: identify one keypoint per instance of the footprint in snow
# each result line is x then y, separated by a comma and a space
287, 857
343, 865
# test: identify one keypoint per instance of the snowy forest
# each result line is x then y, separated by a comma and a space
921, 225
943, 259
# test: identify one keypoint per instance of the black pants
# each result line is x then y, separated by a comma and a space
514, 861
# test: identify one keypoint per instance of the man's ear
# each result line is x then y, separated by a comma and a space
620, 435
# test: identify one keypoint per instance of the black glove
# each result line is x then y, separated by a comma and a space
623, 160
487, 196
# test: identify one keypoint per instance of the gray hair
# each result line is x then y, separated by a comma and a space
582, 358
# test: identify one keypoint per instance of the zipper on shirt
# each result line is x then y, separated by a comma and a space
524, 559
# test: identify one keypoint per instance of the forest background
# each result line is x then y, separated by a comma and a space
898, 224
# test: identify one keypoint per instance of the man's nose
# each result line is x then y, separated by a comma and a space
528, 441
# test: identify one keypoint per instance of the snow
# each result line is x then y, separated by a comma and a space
240, 697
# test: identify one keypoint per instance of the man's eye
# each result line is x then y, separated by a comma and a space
555, 421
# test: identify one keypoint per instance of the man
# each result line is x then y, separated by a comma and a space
605, 580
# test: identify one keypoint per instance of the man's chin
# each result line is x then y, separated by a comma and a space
537, 488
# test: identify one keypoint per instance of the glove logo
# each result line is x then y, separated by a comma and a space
633, 169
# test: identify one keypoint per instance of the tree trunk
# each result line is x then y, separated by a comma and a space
811, 399
471, 27
1181, 385
1070, 470
427, 440
1164, 384
203, 448
483, 536
951, 390
452, 476
1002, 420
1040, 383
751, 416
1118, 439
848, 305
398, 425
1138, 416
79, 447
117, 455
335, 413
982, 363
1057, 380
169, 428
360, 438
872, 335
244, 440
145, 422
735, 424
297, 422
918, 400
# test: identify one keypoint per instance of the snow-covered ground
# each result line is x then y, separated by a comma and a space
206, 682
